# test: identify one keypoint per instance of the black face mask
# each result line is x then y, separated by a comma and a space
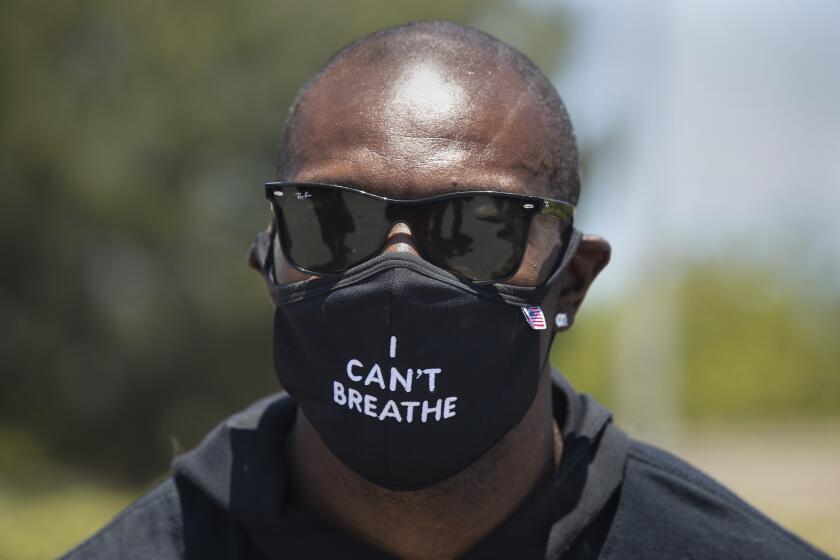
409, 373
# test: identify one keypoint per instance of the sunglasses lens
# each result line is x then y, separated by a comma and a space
481, 237
328, 230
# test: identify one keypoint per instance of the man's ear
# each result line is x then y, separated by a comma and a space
592, 256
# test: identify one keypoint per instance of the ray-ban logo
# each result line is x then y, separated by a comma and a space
303, 195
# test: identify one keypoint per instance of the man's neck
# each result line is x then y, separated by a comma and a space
441, 521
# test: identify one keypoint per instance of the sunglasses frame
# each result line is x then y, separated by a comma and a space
559, 209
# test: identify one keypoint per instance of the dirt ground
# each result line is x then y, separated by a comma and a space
791, 472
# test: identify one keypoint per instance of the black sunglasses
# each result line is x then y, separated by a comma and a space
480, 235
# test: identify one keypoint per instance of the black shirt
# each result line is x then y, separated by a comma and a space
611, 498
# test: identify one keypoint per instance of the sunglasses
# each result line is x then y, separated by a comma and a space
479, 235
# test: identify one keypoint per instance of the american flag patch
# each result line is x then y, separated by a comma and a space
534, 316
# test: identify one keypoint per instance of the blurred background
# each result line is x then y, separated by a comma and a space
135, 138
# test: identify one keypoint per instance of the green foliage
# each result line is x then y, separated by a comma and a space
24, 462
755, 347
750, 345
583, 354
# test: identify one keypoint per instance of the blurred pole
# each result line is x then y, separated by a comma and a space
647, 375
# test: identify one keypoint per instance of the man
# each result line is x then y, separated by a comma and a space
421, 258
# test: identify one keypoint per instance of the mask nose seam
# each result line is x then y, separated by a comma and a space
389, 468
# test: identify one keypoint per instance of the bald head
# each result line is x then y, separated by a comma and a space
431, 104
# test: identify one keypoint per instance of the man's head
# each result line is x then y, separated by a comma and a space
435, 107
410, 113
440, 98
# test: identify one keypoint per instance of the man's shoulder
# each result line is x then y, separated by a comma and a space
668, 506
150, 527
188, 514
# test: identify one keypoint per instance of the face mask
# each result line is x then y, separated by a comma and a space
408, 373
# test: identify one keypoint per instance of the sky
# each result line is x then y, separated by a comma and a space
716, 130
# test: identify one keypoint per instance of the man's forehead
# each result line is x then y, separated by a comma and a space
423, 121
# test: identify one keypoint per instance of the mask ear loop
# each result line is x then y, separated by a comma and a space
575, 237
262, 254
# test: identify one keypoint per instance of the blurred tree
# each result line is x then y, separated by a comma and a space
134, 142
755, 346
752, 345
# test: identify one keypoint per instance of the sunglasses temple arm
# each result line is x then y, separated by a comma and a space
560, 210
